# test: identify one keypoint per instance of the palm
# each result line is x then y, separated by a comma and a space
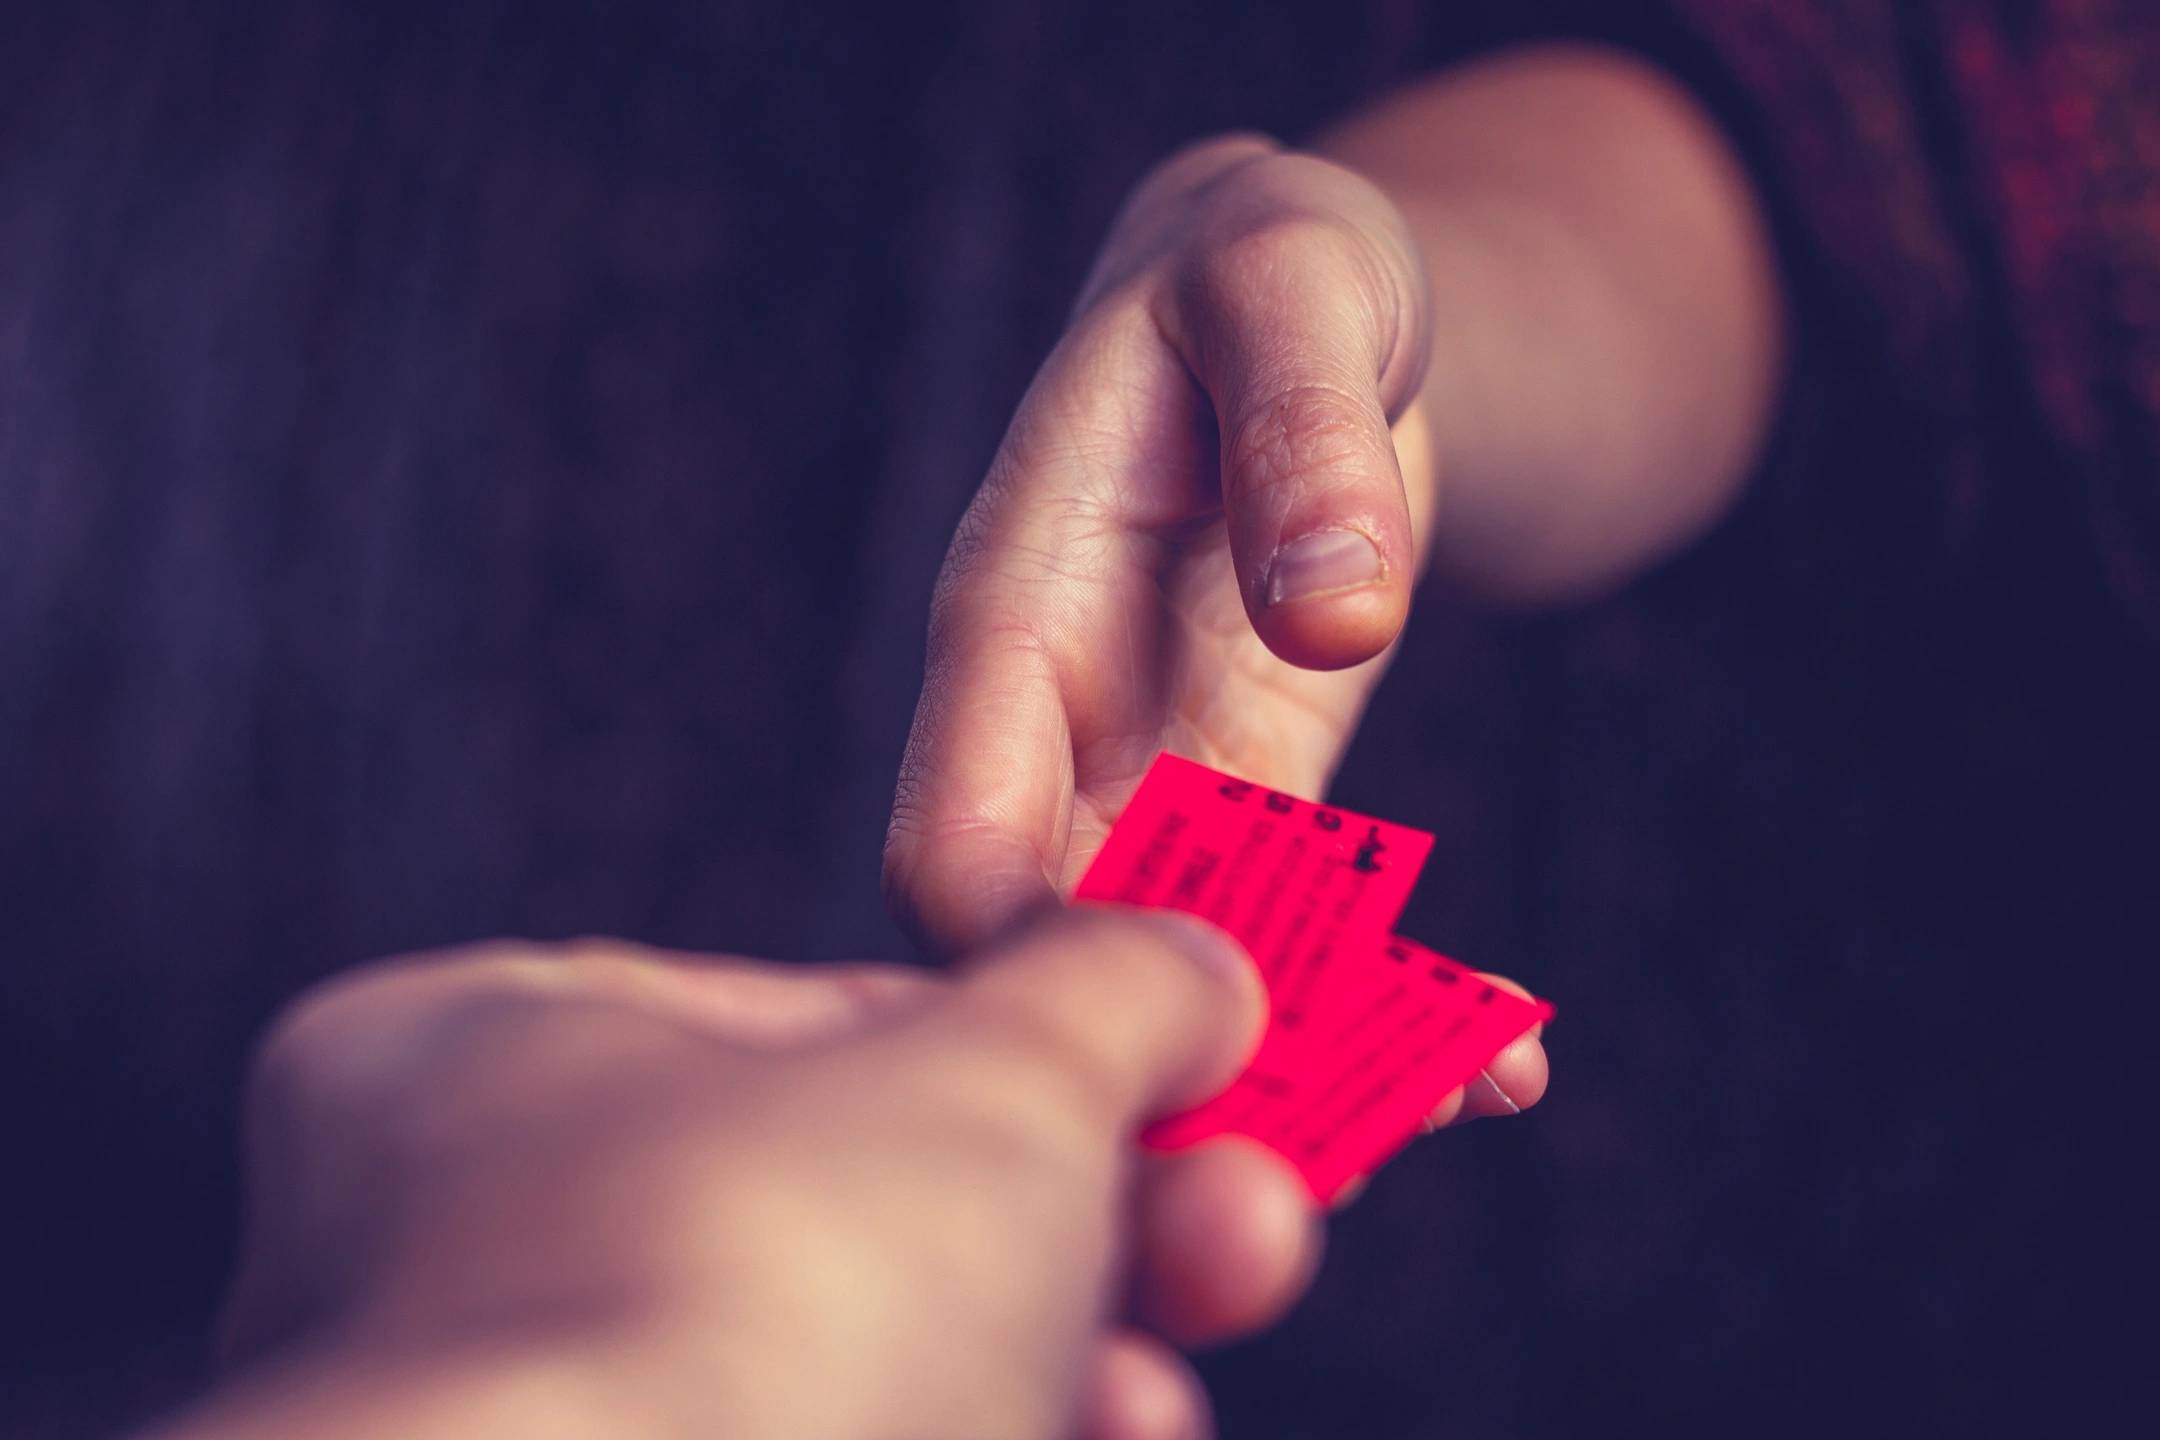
1215, 693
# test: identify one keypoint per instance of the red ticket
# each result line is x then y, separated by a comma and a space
1300, 885
1367, 1032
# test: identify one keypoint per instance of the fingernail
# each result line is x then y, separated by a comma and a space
1499, 1094
1320, 563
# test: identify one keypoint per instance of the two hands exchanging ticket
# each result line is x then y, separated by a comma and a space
590, 1188
533, 1190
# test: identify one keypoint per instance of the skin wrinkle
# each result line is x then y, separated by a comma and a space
1299, 431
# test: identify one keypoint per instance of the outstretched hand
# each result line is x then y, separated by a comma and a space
1200, 533
560, 1190
594, 1188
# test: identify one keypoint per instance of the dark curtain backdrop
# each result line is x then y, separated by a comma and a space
476, 469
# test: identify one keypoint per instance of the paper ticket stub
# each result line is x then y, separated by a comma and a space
1367, 1031
1302, 886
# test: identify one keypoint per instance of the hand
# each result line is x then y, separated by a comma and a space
1200, 533
598, 1189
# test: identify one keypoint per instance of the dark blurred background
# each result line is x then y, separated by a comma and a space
477, 469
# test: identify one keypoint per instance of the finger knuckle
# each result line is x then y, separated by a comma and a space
316, 1053
1205, 162
596, 963
1251, 259
360, 1040
1148, 222
1290, 186
1297, 433
1290, 223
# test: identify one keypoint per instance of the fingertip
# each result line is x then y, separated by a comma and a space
1139, 1389
1151, 1011
1228, 1239
1518, 1075
1228, 965
1510, 1083
1224, 1016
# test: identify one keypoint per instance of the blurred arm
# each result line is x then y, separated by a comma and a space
1607, 328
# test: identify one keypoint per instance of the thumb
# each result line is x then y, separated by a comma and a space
1143, 1012
1305, 323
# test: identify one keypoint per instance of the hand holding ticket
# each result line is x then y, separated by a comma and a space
1367, 1031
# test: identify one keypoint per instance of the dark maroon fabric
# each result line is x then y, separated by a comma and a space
1965, 170
478, 469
